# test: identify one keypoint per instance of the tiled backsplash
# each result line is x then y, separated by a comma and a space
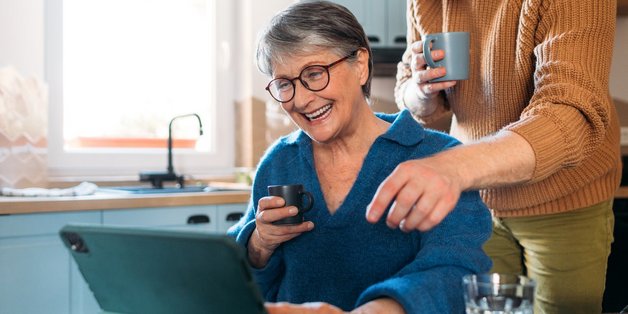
23, 130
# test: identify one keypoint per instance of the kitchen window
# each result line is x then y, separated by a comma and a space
120, 70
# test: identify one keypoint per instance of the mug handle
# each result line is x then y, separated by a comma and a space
427, 51
310, 200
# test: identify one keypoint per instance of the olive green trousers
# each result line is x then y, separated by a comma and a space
566, 254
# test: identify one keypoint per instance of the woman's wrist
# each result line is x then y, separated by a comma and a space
417, 105
382, 305
258, 255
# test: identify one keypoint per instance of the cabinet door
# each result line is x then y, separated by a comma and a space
396, 17
202, 218
375, 22
229, 214
372, 15
34, 264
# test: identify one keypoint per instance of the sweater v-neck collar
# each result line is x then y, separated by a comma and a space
401, 125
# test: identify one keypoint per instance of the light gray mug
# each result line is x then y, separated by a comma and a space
456, 60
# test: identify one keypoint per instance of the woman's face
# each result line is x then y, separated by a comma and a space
330, 113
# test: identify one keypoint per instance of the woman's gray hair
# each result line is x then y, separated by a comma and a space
307, 27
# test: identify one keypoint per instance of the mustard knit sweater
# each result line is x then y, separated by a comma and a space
539, 68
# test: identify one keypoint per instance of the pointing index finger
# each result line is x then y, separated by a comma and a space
385, 194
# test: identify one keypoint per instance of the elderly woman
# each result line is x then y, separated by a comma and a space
319, 61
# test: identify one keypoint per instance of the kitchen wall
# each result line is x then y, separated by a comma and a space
22, 42
264, 10
22, 45
619, 69
22, 36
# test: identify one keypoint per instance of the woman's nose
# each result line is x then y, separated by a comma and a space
302, 95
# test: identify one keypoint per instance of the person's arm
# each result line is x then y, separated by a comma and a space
382, 305
567, 118
426, 190
267, 237
431, 283
424, 100
255, 231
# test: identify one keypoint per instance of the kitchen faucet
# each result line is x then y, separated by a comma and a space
156, 178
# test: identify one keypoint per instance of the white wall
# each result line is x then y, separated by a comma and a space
22, 36
619, 68
22, 46
254, 16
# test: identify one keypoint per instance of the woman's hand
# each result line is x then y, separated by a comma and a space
267, 237
305, 308
381, 305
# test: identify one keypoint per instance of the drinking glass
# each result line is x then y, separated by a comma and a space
496, 293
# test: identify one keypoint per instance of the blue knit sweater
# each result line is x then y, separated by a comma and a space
346, 261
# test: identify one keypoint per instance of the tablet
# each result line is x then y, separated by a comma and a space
148, 270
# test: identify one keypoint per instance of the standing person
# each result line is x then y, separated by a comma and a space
540, 136
319, 65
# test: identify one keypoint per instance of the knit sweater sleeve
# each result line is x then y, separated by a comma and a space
570, 111
267, 277
432, 282
404, 73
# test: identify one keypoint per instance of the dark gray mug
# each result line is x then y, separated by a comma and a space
293, 195
456, 60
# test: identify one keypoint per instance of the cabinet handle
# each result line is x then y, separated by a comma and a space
234, 216
373, 39
400, 40
198, 219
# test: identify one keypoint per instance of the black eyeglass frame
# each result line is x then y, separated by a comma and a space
294, 86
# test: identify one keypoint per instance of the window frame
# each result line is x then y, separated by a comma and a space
121, 162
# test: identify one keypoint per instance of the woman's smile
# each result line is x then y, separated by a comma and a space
319, 114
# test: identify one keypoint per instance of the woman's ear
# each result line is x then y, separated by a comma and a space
363, 65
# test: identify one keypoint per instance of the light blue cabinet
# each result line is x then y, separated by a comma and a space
384, 21
34, 265
210, 218
206, 218
228, 215
200, 217
37, 274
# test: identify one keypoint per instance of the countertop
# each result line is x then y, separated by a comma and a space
105, 201
622, 192
30, 205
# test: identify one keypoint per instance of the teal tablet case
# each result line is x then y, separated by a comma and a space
142, 270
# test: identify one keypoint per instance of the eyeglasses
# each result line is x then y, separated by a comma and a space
313, 77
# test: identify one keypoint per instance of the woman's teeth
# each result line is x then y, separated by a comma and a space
318, 113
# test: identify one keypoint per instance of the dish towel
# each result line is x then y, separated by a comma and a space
85, 188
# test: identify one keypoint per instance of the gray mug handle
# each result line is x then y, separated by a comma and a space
310, 200
427, 51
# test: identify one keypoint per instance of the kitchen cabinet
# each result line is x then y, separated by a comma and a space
384, 21
202, 217
622, 7
34, 265
37, 273
228, 215
205, 218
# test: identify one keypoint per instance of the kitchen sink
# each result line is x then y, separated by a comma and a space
153, 190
